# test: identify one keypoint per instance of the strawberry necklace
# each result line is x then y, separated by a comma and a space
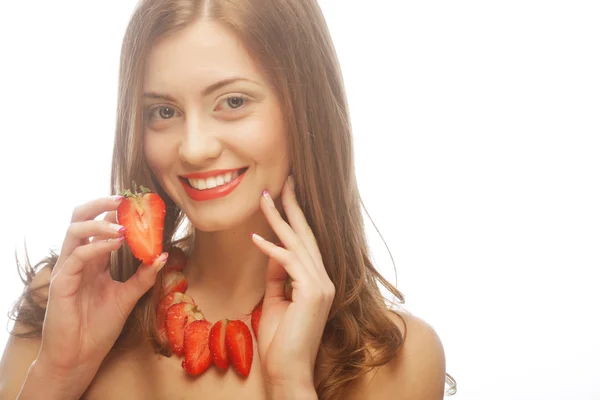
183, 329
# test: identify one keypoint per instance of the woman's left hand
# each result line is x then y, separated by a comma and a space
290, 332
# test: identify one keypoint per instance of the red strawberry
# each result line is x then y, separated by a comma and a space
256, 314
238, 342
143, 214
216, 343
161, 313
174, 281
177, 260
197, 353
178, 317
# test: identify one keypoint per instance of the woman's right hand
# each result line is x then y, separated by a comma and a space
86, 308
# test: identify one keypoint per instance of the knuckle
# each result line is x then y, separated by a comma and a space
330, 290
77, 213
72, 229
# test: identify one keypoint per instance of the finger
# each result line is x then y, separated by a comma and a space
80, 232
85, 212
85, 229
275, 278
298, 221
96, 253
285, 233
140, 282
288, 259
110, 217
92, 209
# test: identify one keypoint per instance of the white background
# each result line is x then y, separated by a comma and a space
477, 148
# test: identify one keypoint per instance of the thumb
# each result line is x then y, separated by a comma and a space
141, 282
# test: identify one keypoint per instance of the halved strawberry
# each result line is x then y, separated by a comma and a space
143, 214
174, 281
256, 314
216, 343
197, 353
177, 260
161, 313
238, 342
178, 317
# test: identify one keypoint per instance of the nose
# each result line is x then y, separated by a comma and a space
200, 144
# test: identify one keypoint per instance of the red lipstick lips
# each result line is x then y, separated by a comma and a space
216, 192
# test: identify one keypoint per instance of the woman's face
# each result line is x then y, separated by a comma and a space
211, 120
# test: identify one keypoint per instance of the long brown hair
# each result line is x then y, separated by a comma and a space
291, 42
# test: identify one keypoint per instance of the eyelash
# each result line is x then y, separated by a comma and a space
150, 110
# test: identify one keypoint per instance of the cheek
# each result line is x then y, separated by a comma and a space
157, 151
266, 139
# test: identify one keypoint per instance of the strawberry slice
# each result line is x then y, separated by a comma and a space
174, 281
256, 314
177, 260
216, 342
238, 342
161, 313
197, 353
178, 317
143, 214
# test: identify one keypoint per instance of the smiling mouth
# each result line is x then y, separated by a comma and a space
215, 181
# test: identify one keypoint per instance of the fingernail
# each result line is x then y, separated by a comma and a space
162, 260
257, 237
116, 198
268, 198
117, 228
291, 181
163, 257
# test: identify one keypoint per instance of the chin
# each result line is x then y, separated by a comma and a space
219, 221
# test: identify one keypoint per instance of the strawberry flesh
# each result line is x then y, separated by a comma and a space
178, 317
216, 343
197, 353
174, 281
161, 313
238, 342
143, 214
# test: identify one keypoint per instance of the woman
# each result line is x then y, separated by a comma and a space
248, 96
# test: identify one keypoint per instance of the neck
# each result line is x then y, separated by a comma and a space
227, 269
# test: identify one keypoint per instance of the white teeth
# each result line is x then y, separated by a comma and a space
198, 183
213, 181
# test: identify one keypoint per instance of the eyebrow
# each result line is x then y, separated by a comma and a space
208, 90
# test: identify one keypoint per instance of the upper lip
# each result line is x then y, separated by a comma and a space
209, 174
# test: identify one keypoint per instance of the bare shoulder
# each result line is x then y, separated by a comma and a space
417, 372
21, 352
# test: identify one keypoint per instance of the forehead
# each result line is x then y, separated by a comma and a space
197, 56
